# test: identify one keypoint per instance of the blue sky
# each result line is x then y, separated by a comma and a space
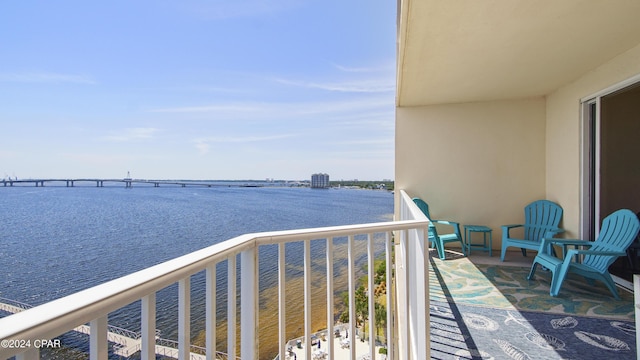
197, 89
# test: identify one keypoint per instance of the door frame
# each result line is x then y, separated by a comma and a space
589, 168
590, 142
590, 157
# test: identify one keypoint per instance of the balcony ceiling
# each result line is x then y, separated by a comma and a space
465, 51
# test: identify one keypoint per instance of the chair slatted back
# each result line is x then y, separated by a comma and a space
540, 217
618, 232
424, 207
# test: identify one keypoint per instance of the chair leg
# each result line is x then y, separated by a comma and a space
524, 252
559, 273
532, 272
504, 250
608, 281
440, 247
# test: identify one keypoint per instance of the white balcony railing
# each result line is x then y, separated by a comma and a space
407, 315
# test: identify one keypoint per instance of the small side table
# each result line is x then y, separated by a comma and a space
469, 229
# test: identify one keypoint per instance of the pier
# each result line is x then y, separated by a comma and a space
125, 342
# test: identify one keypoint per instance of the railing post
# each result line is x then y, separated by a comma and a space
330, 337
184, 319
390, 304
210, 303
282, 317
413, 286
249, 304
231, 307
307, 298
148, 348
419, 296
372, 298
402, 287
98, 345
352, 295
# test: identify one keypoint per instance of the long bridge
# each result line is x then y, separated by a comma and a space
128, 182
126, 342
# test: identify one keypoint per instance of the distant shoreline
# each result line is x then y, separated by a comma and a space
132, 182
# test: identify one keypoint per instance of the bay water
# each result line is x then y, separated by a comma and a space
56, 240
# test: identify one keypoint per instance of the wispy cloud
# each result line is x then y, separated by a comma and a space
231, 107
132, 134
365, 69
357, 86
203, 144
45, 77
375, 142
269, 110
246, 139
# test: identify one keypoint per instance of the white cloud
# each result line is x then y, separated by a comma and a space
377, 142
132, 134
203, 144
356, 86
261, 110
43, 77
383, 68
246, 139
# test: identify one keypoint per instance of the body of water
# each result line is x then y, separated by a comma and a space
55, 241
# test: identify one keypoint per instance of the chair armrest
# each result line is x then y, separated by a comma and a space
445, 222
555, 231
511, 226
547, 243
506, 228
575, 242
573, 252
453, 224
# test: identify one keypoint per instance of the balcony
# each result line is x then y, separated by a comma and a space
419, 282
406, 308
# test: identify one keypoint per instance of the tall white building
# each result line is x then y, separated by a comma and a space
320, 181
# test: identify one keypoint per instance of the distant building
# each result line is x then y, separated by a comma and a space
320, 181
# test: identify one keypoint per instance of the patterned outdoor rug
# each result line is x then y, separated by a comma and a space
494, 312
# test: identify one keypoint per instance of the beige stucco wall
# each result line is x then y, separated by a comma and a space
563, 132
475, 163
480, 163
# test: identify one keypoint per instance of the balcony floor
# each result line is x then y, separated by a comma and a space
481, 307
484, 308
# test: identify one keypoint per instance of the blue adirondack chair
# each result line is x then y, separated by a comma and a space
618, 232
541, 219
438, 240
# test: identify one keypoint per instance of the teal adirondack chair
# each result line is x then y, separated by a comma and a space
541, 220
438, 240
618, 232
